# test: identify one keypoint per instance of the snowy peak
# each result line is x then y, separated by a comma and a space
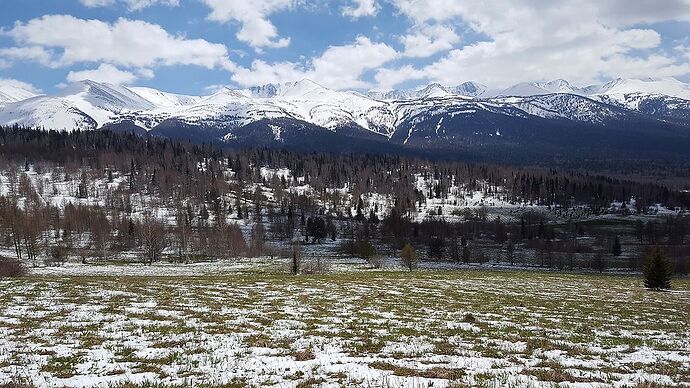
91, 105
664, 86
468, 89
105, 96
304, 89
265, 91
162, 99
526, 89
433, 91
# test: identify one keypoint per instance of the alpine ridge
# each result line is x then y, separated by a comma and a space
627, 117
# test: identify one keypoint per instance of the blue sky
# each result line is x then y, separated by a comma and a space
193, 46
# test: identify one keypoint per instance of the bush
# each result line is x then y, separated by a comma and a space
57, 257
363, 249
376, 261
315, 266
408, 257
11, 268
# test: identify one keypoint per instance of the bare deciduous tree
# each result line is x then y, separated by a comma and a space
152, 239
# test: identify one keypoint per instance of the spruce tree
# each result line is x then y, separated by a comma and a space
616, 248
657, 274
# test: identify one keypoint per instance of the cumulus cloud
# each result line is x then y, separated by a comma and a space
256, 29
20, 85
389, 78
427, 40
582, 41
108, 73
129, 43
97, 3
132, 5
361, 8
338, 67
28, 53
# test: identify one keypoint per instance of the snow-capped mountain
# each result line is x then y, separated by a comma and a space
565, 106
469, 89
162, 99
663, 98
660, 86
434, 116
434, 90
526, 89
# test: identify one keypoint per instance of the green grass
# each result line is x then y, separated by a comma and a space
396, 324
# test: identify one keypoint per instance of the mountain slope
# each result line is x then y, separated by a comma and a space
526, 89
544, 119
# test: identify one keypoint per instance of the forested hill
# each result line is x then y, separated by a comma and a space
169, 166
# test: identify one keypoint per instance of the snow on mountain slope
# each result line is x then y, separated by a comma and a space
564, 106
662, 98
664, 86
469, 89
525, 89
659, 106
434, 90
311, 102
226, 108
14, 91
90, 105
162, 99
100, 102
48, 113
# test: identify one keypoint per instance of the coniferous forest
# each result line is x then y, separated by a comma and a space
101, 196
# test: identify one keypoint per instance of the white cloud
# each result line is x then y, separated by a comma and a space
361, 8
583, 41
215, 88
132, 5
97, 3
338, 67
63, 40
27, 53
256, 29
107, 73
427, 40
388, 78
20, 85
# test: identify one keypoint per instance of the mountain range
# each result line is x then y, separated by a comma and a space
624, 118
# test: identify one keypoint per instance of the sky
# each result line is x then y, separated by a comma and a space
196, 46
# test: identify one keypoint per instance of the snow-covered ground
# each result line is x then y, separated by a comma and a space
357, 329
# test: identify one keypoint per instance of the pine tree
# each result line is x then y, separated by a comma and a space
616, 248
657, 274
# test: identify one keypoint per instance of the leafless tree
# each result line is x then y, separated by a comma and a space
152, 239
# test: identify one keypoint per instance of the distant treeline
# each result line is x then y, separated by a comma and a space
151, 195
166, 165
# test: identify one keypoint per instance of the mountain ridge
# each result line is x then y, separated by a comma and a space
466, 116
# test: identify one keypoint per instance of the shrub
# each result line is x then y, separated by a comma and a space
409, 257
11, 268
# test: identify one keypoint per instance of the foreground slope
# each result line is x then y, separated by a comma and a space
359, 329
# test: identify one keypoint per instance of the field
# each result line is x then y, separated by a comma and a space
367, 328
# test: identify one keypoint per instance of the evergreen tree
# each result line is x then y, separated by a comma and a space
437, 248
657, 273
616, 247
